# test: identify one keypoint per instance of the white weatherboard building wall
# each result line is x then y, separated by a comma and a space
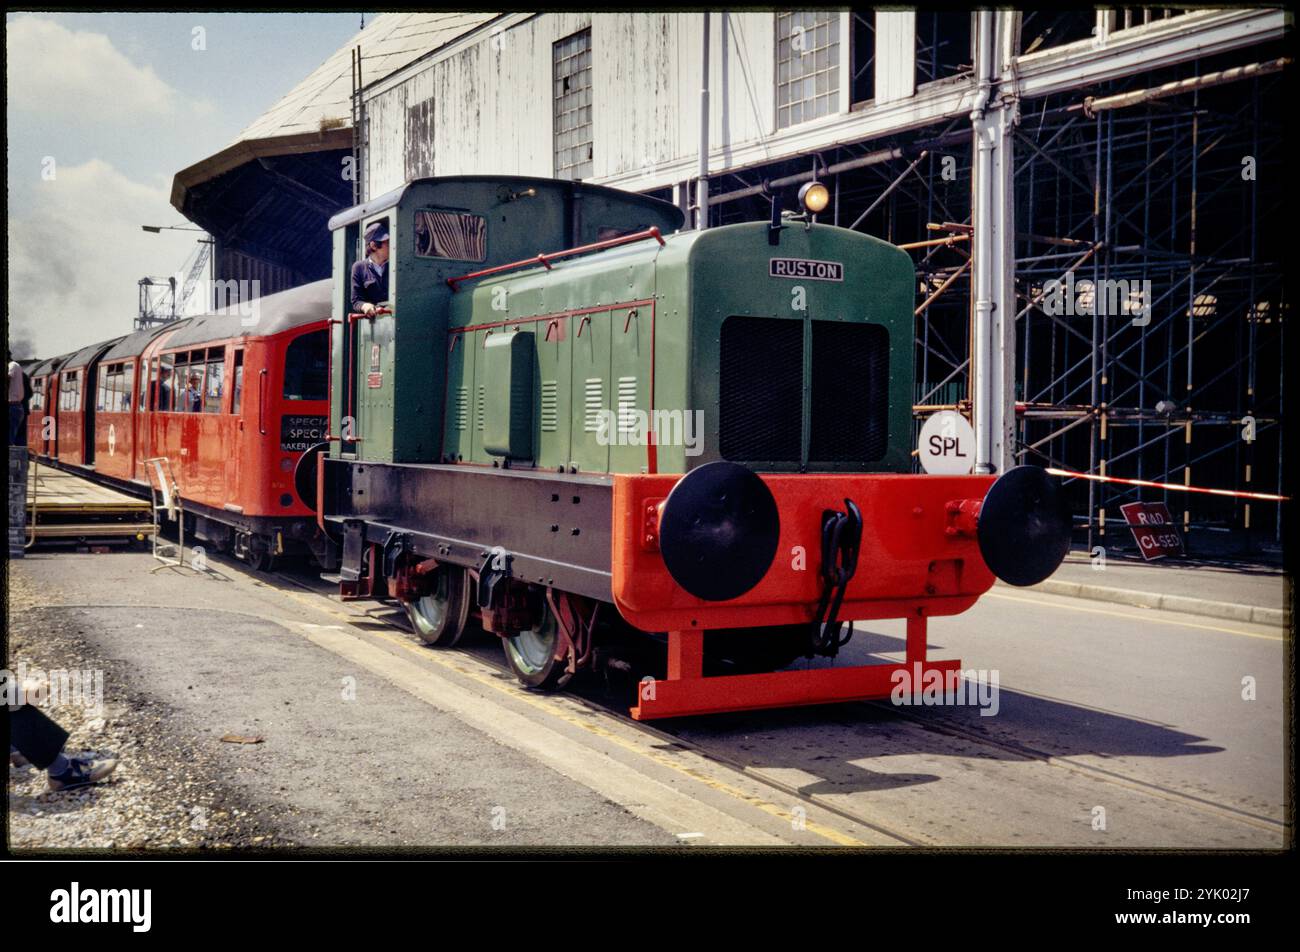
484, 103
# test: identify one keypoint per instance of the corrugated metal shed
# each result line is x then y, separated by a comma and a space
389, 42
266, 196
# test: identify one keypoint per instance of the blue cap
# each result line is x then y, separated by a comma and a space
377, 231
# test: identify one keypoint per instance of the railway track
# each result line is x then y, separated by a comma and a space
594, 700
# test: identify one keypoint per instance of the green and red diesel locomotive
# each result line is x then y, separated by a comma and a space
577, 423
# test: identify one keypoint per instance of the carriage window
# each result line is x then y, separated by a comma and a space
179, 379
238, 391
114, 389
216, 380
128, 386
306, 367
187, 382
162, 387
70, 391
38, 393
192, 391
450, 235
144, 381
170, 383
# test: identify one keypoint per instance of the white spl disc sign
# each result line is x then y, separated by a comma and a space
947, 444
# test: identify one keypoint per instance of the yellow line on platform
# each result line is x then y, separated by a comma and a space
1155, 618
554, 710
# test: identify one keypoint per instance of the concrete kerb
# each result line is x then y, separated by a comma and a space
1175, 603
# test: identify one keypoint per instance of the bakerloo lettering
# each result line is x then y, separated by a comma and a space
603, 473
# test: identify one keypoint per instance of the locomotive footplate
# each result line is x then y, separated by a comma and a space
553, 529
686, 691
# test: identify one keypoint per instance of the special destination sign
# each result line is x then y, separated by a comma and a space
301, 433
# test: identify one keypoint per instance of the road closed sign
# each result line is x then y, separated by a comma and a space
947, 445
1153, 528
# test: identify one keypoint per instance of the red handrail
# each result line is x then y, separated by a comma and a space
378, 312
546, 259
261, 401
329, 323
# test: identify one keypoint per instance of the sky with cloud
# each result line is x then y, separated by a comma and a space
102, 111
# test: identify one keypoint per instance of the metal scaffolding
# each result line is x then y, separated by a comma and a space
1148, 278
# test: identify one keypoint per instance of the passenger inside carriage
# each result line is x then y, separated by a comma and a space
165, 389
194, 394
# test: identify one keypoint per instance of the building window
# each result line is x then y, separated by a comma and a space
807, 66
943, 45
572, 94
862, 54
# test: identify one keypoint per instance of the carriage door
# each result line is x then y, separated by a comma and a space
140, 406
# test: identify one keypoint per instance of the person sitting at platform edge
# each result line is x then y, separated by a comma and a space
370, 274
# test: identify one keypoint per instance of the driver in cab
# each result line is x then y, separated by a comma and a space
370, 274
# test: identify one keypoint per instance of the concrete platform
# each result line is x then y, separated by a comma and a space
64, 506
1229, 590
1112, 727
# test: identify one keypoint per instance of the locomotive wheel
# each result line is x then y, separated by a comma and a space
754, 650
531, 654
440, 617
261, 561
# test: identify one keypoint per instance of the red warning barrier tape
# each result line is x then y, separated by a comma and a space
1177, 486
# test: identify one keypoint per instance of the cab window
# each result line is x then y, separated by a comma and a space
306, 367
455, 235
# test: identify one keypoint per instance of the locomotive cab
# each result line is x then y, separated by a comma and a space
387, 404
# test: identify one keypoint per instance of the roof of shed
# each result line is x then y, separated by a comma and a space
317, 113
270, 192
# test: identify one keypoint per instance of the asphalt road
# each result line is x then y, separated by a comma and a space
1115, 727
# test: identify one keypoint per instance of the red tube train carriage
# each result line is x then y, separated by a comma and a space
230, 399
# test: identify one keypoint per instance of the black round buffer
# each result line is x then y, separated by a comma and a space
1024, 525
718, 531
304, 476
